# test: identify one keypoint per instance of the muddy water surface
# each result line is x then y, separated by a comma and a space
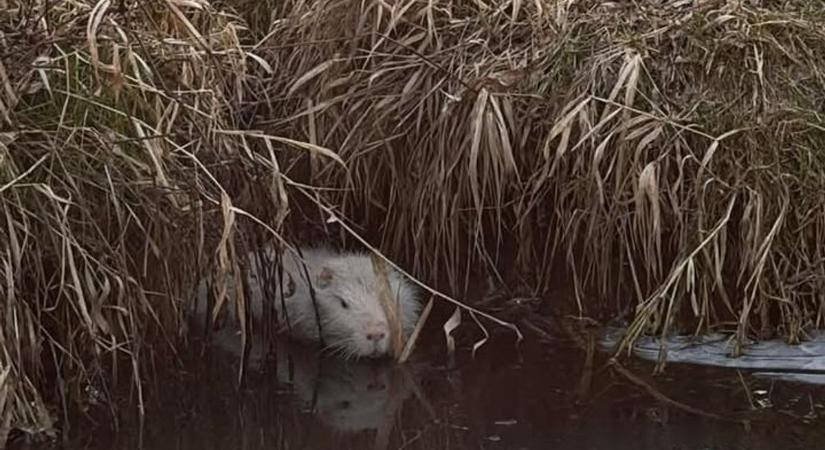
539, 397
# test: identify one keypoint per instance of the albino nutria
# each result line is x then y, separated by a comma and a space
352, 319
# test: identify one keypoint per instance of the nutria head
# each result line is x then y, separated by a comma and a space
353, 321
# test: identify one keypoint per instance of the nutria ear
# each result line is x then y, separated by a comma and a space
325, 277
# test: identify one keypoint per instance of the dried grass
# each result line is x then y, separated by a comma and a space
667, 153
123, 166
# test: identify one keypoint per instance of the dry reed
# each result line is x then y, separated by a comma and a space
124, 165
667, 153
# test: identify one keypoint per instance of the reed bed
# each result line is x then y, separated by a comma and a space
665, 153
123, 153
664, 156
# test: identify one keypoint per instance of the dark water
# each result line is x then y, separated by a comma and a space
537, 397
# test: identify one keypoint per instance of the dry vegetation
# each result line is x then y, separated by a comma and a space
668, 154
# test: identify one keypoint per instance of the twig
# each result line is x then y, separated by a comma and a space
655, 393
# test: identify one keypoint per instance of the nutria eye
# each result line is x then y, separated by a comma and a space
344, 304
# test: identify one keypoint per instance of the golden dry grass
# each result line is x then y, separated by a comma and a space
669, 154
123, 152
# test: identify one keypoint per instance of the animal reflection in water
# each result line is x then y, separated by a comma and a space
348, 396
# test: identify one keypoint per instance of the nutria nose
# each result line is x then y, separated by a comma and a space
377, 336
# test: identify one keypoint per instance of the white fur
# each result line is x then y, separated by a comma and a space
346, 330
